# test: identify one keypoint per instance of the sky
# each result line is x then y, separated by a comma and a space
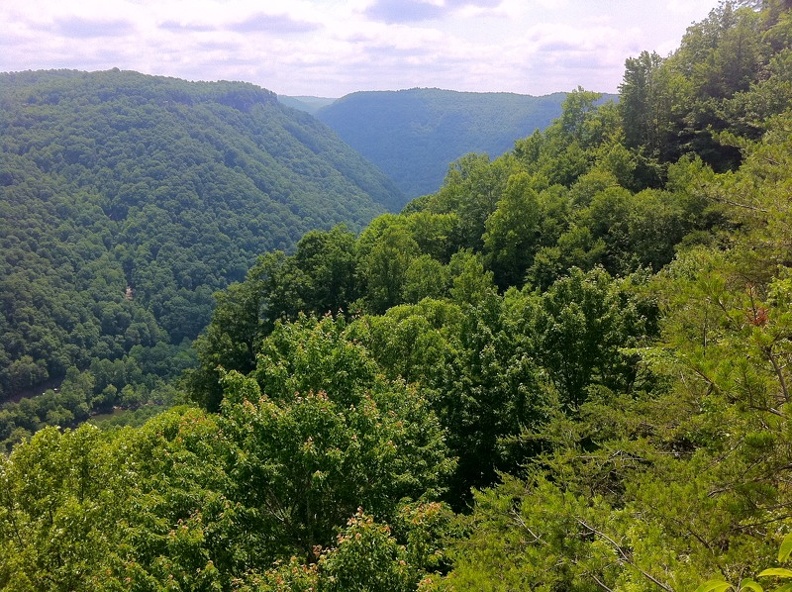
330, 48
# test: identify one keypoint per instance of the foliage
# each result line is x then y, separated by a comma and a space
413, 134
127, 200
568, 369
724, 76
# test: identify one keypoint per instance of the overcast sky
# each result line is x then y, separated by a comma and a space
330, 48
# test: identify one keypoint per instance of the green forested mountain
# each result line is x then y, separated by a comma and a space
567, 369
127, 200
308, 104
413, 134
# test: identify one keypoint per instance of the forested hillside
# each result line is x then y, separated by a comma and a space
568, 369
308, 104
413, 134
127, 200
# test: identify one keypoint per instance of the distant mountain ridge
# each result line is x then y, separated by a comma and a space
126, 200
305, 103
412, 135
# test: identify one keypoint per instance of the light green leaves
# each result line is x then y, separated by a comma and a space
778, 572
786, 548
721, 586
748, 584
714, 586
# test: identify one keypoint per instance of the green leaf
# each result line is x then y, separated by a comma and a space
714, 586
749, 584
786, 548
780, 572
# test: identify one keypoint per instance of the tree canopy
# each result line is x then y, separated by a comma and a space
569, 368
128, 200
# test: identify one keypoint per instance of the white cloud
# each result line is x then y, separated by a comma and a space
332, 47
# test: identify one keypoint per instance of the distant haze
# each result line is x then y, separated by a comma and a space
308, 104
333, 47
413, 135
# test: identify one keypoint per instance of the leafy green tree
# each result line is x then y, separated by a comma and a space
367, 559
474, 363
384, 268
586, 320
471, 190
425, 278
637, 100
577, 247
576, 122
366, 555
434, 233
231, 340
412, 342
327, 260
311, 355
510, 237
470, 281
529, 536
607, 218
307, 464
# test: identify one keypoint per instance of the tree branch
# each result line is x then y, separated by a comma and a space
625, 556
522, 523
601, 584
740, 205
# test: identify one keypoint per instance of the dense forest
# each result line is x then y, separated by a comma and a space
126, 202
412, 135
308, 104
567, 369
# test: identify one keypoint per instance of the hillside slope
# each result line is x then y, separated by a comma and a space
568, 369
126, 200
308, 104
413, 134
